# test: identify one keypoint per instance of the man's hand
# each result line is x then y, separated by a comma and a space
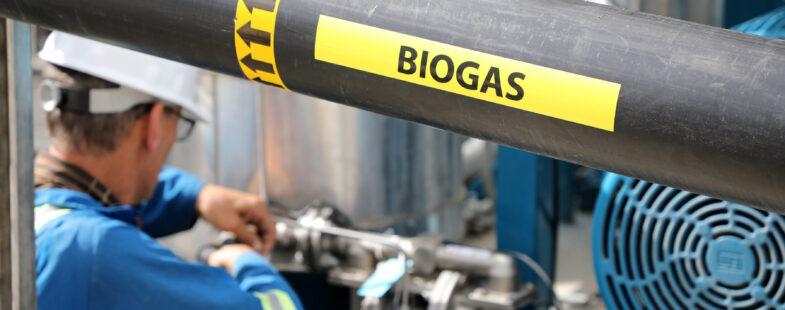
225, 256
243, 214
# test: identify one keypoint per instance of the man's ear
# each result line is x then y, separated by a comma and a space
153, 138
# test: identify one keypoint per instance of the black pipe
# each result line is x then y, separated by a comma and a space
699, 108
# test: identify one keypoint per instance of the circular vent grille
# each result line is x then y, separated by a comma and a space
657, 247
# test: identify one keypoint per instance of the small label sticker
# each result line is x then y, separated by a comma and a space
385, 276
550, 92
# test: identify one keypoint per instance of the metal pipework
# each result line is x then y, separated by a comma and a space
699, 108
502, 272
314, 242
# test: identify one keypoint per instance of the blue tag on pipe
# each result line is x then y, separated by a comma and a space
385, 276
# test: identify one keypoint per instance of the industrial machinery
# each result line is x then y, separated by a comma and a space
690, 106
385, 179
435, 274
440, 275
656, 247
382, 173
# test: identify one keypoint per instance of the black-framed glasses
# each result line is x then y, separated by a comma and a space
185, 125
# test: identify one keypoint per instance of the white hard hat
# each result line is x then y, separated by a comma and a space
162, 79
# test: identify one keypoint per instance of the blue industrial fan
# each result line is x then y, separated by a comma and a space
656, 247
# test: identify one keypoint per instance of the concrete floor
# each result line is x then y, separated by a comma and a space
575, 283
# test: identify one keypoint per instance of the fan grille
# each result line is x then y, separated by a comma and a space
657, 247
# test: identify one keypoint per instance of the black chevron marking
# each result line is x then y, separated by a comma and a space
249, 35
254, 64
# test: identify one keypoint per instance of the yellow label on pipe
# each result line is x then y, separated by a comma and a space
254, 40
529, 87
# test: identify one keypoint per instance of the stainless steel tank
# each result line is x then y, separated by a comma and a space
381, 172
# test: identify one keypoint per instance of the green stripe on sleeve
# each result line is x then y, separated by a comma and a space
275, 300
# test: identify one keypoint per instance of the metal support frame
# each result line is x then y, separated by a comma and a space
17, 238
566, 190
526, 211
5, 188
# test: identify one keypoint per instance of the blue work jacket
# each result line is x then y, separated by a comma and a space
90, 256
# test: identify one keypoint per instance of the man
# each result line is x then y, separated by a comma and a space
103, 193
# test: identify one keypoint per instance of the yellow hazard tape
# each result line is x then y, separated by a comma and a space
254, 40
559, 94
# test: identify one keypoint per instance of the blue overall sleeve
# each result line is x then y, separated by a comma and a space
171, 209
132, 271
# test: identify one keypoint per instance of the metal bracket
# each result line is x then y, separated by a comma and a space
440, 295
